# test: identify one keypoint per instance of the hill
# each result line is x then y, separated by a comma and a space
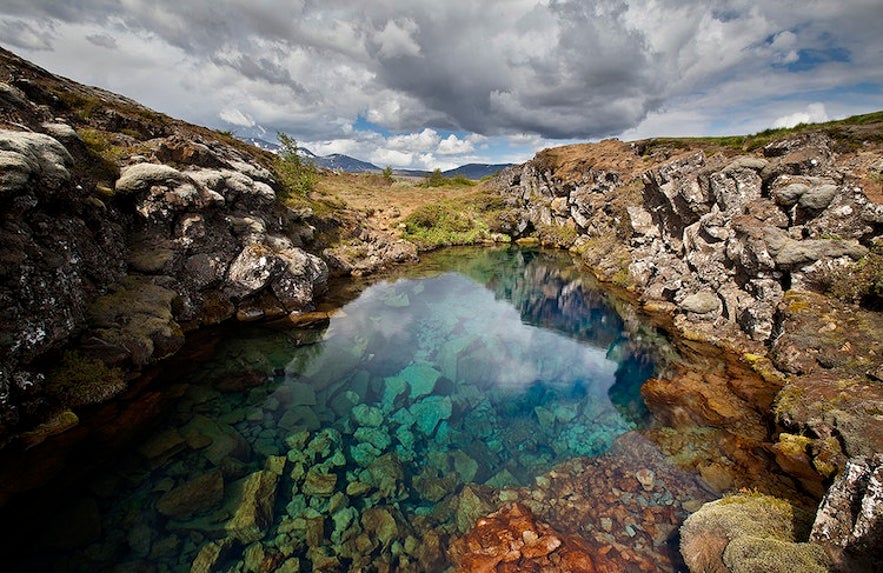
476, 170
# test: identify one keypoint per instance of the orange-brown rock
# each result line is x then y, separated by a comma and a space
512, 539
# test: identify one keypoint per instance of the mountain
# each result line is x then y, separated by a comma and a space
476, 170
261, 144
340, 162
335, 161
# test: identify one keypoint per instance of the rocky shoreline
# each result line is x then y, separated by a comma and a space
730, 251
124, 230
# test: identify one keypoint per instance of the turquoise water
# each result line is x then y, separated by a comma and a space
347, 445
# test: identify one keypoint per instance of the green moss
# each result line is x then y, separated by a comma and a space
443, 224
754, 533
758, 555
787, 399
80, 381
764, 366
101, 164
83, 106
557, 235
758, 515
134, 321
860, 282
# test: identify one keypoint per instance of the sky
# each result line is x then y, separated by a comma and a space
440, 83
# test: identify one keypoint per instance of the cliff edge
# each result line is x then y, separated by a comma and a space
120, 230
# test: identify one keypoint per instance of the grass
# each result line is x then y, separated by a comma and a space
837, 129
103, 155
442, 224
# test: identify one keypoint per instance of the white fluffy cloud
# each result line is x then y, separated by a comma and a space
550, 70
814, 113
453, 145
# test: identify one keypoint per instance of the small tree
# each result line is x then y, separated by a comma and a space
387, 173
298, 175
436, 179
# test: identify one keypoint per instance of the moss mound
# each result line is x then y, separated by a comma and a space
751, 533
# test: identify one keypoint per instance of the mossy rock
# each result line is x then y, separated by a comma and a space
750, 533
759, 555
81, 381
134, 323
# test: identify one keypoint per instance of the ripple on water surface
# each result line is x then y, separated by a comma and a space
350, 446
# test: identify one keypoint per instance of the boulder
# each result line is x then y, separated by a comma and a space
796, 254
32, 158
194, 496
252, 503
141, 177
512, 539
701, 303
747, 533
818, 198
850, 518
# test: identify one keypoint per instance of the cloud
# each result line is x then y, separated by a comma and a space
562, 69
425, 140
396, 39
391, 157
103, 40
236, 117
22, 34
453, 145
814, 113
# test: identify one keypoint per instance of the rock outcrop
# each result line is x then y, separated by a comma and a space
121, 230
741, 256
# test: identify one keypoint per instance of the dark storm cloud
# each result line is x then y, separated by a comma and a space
557, 68
103, 40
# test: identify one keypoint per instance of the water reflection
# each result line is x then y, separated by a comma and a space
355, 446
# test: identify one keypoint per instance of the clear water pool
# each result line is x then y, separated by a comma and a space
343, 446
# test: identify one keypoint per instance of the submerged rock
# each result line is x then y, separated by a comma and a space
252, 500
194, 496
429, 411
514, 540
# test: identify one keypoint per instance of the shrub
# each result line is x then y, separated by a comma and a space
297, 175
442, 224
436, 179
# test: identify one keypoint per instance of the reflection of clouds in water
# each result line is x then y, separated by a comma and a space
524, 354
505, 353
370, 314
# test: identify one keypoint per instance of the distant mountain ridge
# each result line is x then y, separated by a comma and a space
477, 170
341, 162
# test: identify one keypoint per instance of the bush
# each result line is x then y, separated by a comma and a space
442, 224
436, 179
297, 175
